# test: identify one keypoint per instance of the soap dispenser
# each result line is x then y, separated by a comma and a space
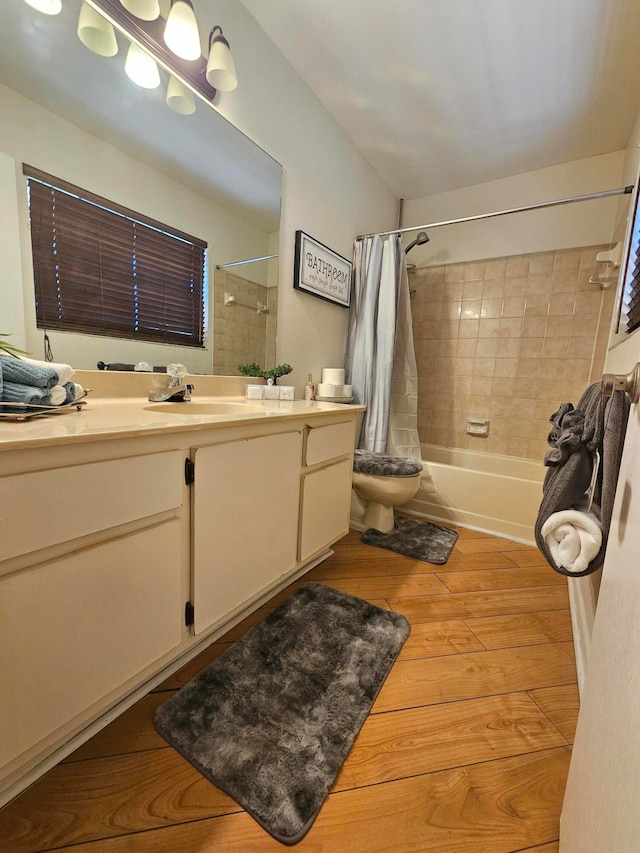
310, 389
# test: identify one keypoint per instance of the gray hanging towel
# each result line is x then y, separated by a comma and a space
596, 426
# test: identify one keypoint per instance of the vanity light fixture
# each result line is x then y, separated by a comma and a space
95, 32
181, 32
141, 68
146, 10
49, 7
180, 98
221, 70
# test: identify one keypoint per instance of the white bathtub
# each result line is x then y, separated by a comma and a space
497, 494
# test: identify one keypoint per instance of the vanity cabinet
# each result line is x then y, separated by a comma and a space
117, 564
245, 522
81, 619
326, 487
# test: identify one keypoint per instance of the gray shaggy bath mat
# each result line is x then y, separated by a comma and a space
271, 721
420, 540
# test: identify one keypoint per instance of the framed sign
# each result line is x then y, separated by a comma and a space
321, 272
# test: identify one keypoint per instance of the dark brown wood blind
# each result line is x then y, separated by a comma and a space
102, 269
632, 278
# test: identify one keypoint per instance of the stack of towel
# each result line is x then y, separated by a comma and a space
24, 380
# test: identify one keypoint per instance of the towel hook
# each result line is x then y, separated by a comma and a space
629, 383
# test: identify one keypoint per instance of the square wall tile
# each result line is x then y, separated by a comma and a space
517, 265
513, 306
515, 286
527, 388
495, 268
508, 347
541, 263
486, 347
489, 328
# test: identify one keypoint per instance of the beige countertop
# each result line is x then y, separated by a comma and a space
127, 417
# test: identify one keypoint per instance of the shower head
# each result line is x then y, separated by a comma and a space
420, 240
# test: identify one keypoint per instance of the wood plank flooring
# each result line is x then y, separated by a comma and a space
466, 749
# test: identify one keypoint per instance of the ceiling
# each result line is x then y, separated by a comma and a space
441, 94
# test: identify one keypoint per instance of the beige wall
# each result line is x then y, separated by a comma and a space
563, 227
507, 339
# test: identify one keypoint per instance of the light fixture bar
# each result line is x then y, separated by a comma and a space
150, 35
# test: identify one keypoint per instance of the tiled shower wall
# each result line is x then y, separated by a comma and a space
240, 334
507, 340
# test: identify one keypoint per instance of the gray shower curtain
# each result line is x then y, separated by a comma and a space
380, 360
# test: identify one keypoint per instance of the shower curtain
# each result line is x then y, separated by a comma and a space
380, 361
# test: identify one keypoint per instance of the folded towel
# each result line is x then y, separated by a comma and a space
58, 395
573, 537
72, 390
23, 373
65, 371
15, 392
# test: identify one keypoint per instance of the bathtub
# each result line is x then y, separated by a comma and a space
485, 491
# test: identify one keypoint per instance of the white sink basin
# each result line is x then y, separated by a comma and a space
194, 407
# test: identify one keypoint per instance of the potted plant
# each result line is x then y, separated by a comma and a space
274, 373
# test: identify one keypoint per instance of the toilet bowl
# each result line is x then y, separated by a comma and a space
381, 483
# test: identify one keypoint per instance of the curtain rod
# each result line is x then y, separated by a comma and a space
248, 261
622, 191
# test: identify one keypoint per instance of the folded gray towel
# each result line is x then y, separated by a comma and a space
23, 373
15, 392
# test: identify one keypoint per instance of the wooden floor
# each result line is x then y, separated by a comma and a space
466, 750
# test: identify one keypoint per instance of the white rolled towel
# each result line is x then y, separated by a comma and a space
58, 395
65, 371
573, 537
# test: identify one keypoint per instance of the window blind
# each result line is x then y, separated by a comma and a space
630, 307
102, 269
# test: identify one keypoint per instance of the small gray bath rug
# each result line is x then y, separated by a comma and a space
420, 540
271, 721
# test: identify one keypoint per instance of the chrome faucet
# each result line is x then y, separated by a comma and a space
176, 390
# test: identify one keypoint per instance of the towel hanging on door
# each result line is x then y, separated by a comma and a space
584, 462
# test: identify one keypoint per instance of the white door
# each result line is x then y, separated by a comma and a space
601, 813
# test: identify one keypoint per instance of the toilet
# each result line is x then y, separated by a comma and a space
381, 483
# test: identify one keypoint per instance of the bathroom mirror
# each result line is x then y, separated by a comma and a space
77, 116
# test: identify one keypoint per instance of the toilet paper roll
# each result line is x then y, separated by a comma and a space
333, 375
347, 390
329, 389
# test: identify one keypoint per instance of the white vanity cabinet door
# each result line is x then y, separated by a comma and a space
324, 512
74, 630
245, 521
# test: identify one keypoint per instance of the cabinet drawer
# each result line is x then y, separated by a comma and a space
74, 630
327, 442
48, 507
326, 498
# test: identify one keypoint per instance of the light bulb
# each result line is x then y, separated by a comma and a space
221, 71
49, 7
141, 68
146, 10
95, 32
180, 98
181, 32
